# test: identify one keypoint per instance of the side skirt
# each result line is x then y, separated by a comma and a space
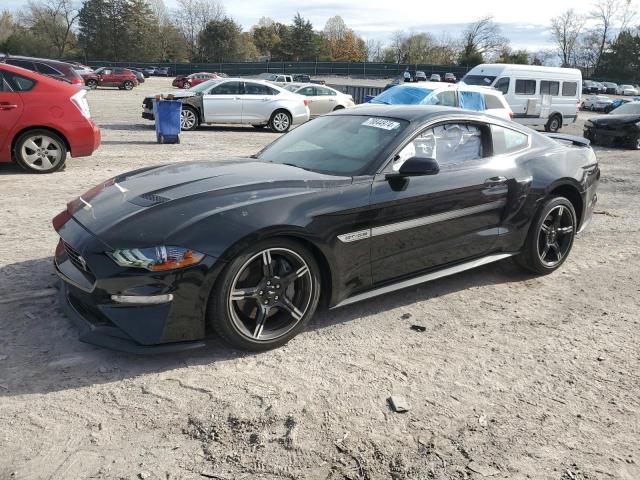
445, 272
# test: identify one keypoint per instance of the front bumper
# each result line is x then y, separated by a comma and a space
90, 280
604, 136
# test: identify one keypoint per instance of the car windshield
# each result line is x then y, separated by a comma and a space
335, 144
401, 95
204, 86
627, 109
292, 88
485, 80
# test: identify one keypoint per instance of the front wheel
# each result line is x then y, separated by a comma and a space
266, 295
280, 121
550, 237
186, 85
188, 119
127, 85
40, 151
92, 84
554, 124
636, 143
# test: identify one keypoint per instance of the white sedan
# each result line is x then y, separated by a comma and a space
596, 103
237, 101
627, 90
322, 99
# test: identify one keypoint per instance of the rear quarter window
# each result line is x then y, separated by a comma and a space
46, 69
569, 89
493, 102
18, 83
506, 140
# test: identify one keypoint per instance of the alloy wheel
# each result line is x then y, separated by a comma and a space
555, 236
270, 294
41, 152
281, 121
187, 119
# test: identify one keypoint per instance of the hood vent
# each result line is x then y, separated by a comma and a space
148, 200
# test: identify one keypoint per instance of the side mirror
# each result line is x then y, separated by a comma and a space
417, 166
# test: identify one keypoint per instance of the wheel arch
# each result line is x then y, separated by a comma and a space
39, 127
572, 193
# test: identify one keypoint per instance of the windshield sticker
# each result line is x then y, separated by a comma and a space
381, 123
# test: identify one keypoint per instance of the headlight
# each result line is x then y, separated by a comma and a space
156, 259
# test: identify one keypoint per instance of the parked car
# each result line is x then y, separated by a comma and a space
144, 71
188, 81
355, 204
467, 97
279, 79
322, 99
238, 101
538, 96
596, 103
601, 87
52, 68
616, 103
162, 71
407, 76
450, 78
420, 76
43, 119
589, 86
150, 70
139, 75
116, 77
304, 78
610, 87
435, 78
627, 90
621, 127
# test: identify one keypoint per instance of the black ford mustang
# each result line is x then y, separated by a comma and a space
351, 205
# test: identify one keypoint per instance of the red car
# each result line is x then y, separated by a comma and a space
42, 120
188, 81
114, 77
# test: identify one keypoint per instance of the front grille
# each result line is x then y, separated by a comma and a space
76, 258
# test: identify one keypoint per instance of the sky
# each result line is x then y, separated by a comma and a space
524, 23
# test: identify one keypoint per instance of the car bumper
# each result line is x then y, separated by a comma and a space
301, 117
609, 137
90, 138
161, 312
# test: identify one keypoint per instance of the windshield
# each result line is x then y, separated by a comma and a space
336, 145
204, 86
627, 109
485, 80
292, 88
401, 95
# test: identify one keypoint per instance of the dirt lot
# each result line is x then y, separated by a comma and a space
515, 377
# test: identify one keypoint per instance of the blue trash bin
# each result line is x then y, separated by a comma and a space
167, 116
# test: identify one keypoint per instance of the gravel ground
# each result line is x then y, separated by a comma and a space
515, 377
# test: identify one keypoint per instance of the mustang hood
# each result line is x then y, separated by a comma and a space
135, 203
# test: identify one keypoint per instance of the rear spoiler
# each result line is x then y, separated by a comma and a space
575, 140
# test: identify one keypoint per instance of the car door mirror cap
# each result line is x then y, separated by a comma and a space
416, 167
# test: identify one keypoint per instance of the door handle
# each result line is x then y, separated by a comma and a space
7, 106
495, 180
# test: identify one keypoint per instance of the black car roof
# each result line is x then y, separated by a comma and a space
410, 113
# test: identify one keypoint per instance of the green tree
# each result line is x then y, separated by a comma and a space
220, 40
300, 41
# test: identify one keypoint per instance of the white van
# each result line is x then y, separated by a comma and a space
538, 96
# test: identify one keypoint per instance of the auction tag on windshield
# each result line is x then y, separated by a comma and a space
382, 123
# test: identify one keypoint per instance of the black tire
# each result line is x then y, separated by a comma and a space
92, 84
189, 119
554, 124
127, 85
186, 85
635, 145
231, 315
36, 160
280, 121
545, 230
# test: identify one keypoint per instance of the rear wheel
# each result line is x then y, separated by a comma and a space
636, 143
40, 151
280, 121
554, 124
186, 85
266, 295
127, 85
188, 119
550, 237
92, 84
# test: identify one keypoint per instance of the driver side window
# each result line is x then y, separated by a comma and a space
452, 145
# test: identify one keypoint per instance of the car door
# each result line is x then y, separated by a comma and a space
11, 107
257, 102
424, 222
223, 103
106, 77
326, 100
